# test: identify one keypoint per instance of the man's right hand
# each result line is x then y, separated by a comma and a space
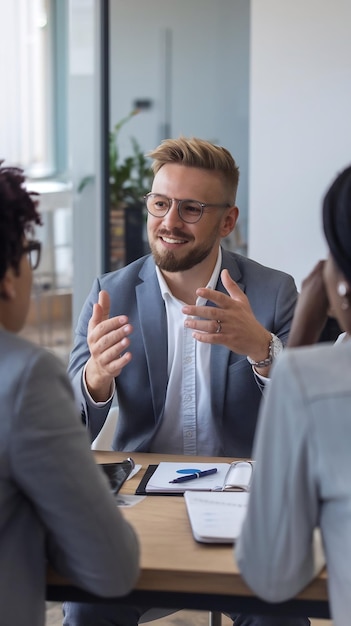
107, 339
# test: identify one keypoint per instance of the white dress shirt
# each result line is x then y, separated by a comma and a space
188, 426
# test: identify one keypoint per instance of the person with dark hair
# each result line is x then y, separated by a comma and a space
302, 446
55, 503
313, 320
183, 337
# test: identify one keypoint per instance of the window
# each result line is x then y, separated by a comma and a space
29, 73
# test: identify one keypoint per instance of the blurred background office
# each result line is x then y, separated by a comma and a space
269, 80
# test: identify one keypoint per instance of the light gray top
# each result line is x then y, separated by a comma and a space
302, 479
54, 500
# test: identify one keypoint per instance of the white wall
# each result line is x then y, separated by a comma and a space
300, 125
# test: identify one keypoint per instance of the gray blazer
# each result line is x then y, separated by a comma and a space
54, 502
302, 480
142, 385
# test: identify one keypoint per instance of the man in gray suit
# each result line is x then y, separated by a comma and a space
186, 336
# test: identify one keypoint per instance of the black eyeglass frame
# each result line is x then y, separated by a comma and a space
170, 201
33, 246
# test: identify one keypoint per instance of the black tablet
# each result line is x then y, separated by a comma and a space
117, 473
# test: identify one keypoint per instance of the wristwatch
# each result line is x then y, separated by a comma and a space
275, 347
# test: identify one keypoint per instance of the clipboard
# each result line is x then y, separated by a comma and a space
235, 476
140, 490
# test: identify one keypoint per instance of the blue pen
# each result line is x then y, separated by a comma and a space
183, 479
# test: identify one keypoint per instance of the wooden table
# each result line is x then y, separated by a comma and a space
178, 572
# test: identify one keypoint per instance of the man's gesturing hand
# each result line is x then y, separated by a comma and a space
107, 339
239, 330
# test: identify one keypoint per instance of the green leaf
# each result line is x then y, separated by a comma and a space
130, 178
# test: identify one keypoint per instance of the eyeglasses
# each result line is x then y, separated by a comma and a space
190, 211
33, 249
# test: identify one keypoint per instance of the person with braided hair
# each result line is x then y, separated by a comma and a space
55, 503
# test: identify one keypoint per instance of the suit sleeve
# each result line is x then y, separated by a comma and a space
275, 552
89, 540
286, 298
93, 415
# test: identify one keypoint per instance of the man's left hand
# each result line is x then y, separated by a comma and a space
231, 323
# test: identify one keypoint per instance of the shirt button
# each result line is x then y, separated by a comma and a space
188, 359
188, 398
189, 434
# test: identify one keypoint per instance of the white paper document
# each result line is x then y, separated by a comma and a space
216, 517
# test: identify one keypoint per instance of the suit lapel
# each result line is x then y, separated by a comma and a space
153, 323
220, 355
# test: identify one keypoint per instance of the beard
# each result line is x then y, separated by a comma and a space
169, 261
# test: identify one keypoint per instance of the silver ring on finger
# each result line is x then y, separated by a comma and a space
219, 327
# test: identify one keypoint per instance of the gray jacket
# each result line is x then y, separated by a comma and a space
55, 505
302, 480
141, 387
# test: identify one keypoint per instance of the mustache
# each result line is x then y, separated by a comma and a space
176, 232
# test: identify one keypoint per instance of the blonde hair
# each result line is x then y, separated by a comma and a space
194, 152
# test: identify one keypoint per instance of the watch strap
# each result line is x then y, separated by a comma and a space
268, 360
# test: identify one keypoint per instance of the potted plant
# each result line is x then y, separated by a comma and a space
129, 180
